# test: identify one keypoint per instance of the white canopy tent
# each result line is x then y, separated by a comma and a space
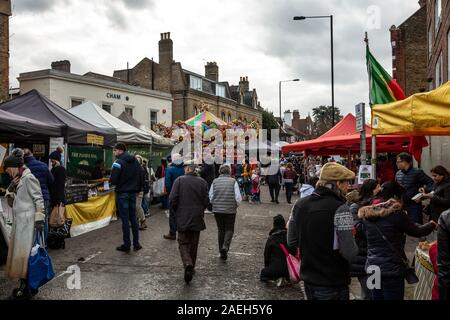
100, 118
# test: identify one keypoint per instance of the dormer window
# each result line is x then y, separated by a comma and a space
220, 90
196, 83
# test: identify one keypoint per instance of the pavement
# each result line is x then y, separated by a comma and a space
156, 271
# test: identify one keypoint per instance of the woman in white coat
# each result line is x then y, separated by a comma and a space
25, 196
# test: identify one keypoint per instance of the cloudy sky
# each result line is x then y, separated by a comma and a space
254, 38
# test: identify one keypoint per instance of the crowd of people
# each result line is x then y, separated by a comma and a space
340, 234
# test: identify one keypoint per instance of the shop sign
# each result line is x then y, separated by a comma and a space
95, 139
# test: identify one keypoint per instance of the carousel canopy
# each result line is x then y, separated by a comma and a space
203, 118
343, 138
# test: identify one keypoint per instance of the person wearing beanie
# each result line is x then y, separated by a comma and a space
322, 227
27, 202
126, 176
57, 189
275, 265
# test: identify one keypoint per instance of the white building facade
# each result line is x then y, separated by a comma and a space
69, 90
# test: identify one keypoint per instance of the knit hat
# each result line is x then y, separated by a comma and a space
279, 222
55, 155
14, 160
332, 171
120, 146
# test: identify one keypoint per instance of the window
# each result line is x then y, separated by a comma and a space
439, 70
129, 111
153, 118
229, 118
220, 90
437, 15
76, 102
196, 83
224, 117
106, 107
195, 111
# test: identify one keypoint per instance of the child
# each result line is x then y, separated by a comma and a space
256, 190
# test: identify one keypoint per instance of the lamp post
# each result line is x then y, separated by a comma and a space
332, 54
279, 94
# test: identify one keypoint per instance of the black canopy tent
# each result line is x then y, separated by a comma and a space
18, 128
74, 130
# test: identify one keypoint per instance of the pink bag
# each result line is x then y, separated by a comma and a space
293, 264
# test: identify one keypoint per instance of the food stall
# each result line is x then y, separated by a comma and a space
75, 133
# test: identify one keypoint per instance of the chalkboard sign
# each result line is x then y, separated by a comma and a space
77, 193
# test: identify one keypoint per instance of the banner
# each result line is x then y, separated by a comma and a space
82, 161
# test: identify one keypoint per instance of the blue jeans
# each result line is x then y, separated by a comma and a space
146, 204
172, 222
289, 188
127, 210
391, 289
327, 293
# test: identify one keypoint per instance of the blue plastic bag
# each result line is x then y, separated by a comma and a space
40, 267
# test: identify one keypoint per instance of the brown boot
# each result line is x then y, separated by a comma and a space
169, 237
143, 225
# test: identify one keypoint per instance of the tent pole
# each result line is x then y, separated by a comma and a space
374, 157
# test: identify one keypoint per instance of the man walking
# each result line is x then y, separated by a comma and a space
411, 179
322, 227
175, 170
41, 171
126, 175
225, 198
188, 200
274, 182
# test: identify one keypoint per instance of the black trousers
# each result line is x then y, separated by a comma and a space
225, 226
274, 189
188, 245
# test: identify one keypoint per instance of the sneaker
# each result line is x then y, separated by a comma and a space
188, 274
169, 237
282, 282
167, 213
122, 248
137, 248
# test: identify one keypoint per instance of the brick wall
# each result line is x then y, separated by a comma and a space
410, 52
4, 53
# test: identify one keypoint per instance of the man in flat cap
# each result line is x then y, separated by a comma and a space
188, 199
321, 225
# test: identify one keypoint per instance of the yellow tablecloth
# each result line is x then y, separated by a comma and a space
93, 214
425, 273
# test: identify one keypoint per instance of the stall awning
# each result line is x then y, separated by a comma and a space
422, 114
343, 138
100, 118
17, 128
76, 131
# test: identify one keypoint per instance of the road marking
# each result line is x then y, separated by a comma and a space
89, 258
241, 253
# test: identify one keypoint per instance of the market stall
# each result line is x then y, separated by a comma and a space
80, 138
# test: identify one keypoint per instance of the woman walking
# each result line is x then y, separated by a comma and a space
24, 195
289, 176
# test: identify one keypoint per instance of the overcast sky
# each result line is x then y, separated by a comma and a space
254, 38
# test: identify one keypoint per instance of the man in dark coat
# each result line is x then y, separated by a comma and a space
127, 176
175, 170
189, 199
411, 179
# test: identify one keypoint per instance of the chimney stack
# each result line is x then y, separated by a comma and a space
5, 12
63, 65
212, 71
244, 84
165, 49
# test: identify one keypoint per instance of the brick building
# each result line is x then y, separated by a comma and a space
191, 91
409, 52
296, 128
5, 12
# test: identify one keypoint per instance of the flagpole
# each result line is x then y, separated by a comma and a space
374, 137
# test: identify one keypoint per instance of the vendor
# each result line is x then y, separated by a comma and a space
99, 170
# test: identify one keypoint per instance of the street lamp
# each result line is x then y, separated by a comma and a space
296, 18
279, 94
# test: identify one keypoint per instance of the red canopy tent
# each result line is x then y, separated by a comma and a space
343, 139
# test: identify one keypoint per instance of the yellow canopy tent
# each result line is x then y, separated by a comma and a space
422, 114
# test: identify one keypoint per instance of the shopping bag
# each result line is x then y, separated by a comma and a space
293, 264
57, 216
159, 187
40, 267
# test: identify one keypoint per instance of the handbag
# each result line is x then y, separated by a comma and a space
293, 264
159, 187
40, 267
57, 216
410, 277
